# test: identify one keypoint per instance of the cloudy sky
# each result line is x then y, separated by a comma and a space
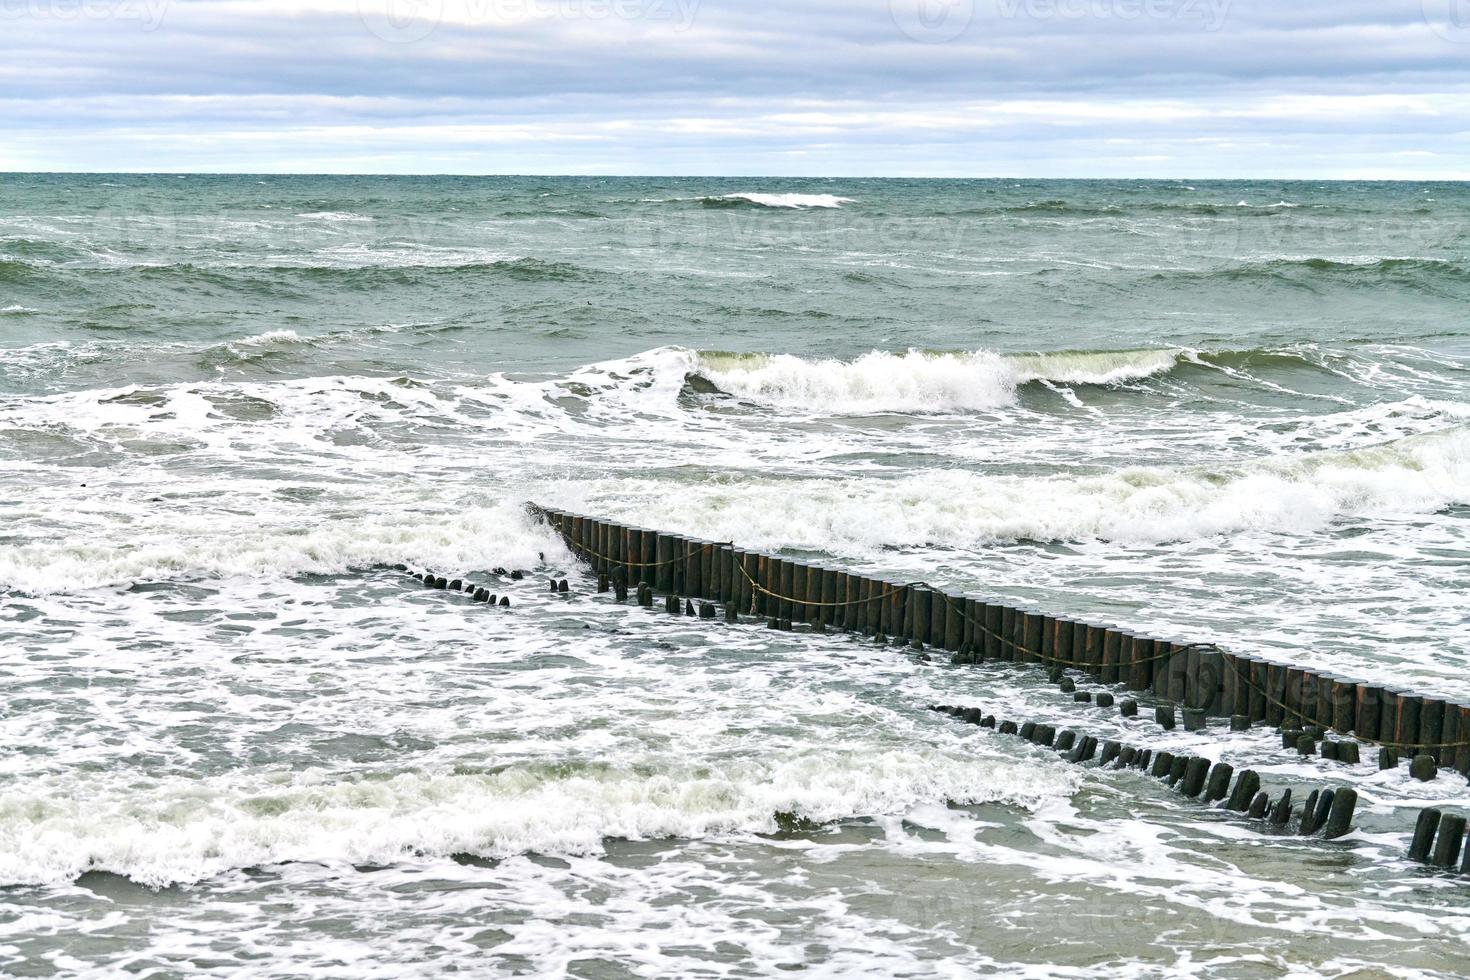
1200, 88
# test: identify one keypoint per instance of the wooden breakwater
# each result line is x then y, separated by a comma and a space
1326, 812
1203, 680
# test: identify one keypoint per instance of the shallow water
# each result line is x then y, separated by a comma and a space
240, 743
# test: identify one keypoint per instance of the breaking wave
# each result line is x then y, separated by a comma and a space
958, 508
916, 381
186, 830
798, 201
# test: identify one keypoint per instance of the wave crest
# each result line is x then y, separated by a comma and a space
790, 201
956, 508
916, 381
189, 830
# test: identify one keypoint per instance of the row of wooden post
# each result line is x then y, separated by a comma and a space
976, 628
1327, 812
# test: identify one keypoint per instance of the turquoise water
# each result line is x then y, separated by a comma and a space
1228, 411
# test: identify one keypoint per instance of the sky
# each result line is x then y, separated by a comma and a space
1039, 88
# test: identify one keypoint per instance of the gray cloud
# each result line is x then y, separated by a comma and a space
1113, 87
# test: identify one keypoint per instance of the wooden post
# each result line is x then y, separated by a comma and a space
1322, 710
902, 599
1276, 692
1247, 785
708, 584
1229, 683
994, 626
1431, 726
846, 614
954, 620
1141, 666
830, 612
1424, 830
1033, 632
873, 594
938, 620
1258, 681
1410, 706
1061, 651
1195, 771
1297, 693
648, 557
858, 585
691, 567
1112, 645
1462, 751
1092, 656
632, 548
1183, 667
1344, 705
1218, 785
918, 631
787, 590
801, 574
663, 574
1447, 844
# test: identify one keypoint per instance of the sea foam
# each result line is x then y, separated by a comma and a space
790, 200
186, 830
916, 381
959, 508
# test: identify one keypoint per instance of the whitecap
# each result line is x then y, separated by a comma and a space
791, 200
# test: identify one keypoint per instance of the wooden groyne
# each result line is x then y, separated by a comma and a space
1189, 682
1203, 680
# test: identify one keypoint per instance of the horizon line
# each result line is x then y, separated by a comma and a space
712, 176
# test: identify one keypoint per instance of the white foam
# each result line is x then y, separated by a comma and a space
184, 830
1145, 504
270, 338
791, 200
191, 543
918, 381
336, 217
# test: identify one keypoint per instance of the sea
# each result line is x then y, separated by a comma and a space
237, 739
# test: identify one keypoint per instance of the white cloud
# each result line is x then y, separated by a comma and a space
671, 86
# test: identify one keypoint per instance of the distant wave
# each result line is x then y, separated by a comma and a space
914, 381
343, 268
1365, 269
1064, 208
798, 201
938, 382
271, 338
337, 217
15, 271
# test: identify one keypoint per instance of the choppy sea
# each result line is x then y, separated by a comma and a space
235, 741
